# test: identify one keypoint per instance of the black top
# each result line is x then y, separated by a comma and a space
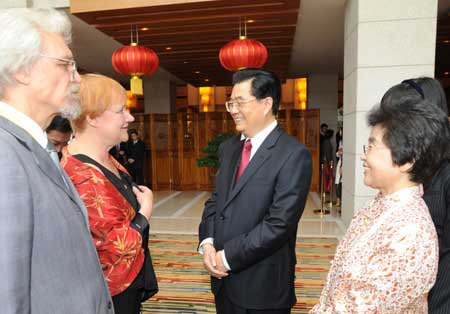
437, 197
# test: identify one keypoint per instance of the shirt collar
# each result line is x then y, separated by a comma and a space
402, 194
261, 135
25, 122
259, 138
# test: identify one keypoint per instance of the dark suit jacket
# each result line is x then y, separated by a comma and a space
136, 152
115, 153
49, 263
256, 220
437, 197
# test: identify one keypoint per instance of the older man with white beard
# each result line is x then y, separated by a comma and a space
48, 261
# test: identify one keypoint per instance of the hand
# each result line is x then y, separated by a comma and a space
219, 262
130, 160
210, 261
145, 199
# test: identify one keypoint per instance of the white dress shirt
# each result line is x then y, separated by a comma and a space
24, 122
31, 127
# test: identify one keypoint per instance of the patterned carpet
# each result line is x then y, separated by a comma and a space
184, 284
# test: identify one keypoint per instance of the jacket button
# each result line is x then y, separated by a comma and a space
222, 217
109, 305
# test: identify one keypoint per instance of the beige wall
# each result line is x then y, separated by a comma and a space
385, 42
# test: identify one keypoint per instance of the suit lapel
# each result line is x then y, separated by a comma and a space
262, 154
235, 158
43, 161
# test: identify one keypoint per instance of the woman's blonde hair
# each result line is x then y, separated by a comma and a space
98, 93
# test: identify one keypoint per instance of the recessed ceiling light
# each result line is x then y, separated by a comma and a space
446, 41
145, 29
168, 48
197, 72
251, 21
446, 73
185, 62
206, 80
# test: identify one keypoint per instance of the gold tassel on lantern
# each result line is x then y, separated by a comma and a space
136, 85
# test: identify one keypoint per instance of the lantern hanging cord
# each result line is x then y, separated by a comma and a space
131, 34
245, 27
137, 36
240, 32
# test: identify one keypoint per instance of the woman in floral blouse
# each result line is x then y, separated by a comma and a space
118, 210
387, 260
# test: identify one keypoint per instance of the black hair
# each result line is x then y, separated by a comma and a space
415, 131
323, 125
423, 87
264, 84
59, 124
133, 131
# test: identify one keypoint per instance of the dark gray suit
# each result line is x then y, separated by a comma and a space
255, 221
47, 258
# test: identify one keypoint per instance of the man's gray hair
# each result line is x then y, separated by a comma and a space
20, 38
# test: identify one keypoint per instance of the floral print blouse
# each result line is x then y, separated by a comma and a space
386, 262
119, 246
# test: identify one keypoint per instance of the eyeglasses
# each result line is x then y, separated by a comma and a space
120, 111
368, 148
67, 62
236, 103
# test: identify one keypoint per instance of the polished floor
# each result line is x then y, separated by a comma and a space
179, 212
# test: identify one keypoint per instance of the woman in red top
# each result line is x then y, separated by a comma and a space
118, 210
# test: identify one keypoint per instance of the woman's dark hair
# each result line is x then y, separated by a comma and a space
423, 87
415, 131
264, 84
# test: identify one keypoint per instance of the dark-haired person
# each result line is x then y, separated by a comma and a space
323, 131
436, 190
249, 225
135, 157
387, 261
58, 133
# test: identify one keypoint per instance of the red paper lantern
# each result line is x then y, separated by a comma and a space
136, 61
243, 53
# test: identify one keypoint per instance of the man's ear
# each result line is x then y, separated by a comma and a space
22, 76
268, 103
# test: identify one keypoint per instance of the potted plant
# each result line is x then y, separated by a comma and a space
211, 160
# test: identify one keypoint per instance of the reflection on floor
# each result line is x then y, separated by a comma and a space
178, 212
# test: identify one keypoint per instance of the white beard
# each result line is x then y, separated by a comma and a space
72, 109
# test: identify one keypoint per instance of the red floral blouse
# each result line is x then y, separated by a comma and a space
118, 245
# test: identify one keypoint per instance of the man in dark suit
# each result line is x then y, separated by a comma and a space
136, 156
249, 225
119, 152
